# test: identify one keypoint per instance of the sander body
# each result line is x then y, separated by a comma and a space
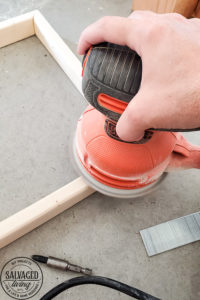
111, 78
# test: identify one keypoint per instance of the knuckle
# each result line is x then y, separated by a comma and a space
132, 117
141, 14
84, 33
156, 30
137, 12
145, 13
104, 21
177, 16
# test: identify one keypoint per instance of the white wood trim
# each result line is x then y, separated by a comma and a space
16, 29
58, 49
24, 221
43, 210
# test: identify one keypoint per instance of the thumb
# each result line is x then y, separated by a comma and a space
133, 123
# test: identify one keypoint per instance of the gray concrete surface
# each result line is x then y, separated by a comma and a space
39, 109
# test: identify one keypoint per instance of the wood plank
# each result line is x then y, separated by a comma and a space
43, 210
16, 29
24, 221
59, 50
197, 11
184, 7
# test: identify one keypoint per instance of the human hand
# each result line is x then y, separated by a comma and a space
169, 45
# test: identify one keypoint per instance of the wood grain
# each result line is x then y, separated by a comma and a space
16, 29
197, 11
59, 50
184, 7
43, 210
24, 221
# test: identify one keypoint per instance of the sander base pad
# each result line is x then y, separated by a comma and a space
114, 192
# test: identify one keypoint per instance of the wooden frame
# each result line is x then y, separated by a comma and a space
183, 7
197, 11
33, 23
24, 221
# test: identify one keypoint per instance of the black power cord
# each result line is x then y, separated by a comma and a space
113, 284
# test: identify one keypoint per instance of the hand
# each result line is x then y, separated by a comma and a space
169, 45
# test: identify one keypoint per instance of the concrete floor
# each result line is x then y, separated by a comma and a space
39, 110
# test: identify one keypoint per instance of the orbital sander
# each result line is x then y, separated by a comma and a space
111, 78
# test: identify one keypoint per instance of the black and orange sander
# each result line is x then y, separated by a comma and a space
111, 78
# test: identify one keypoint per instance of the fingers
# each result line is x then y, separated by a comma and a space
175, 16
133, 122
118, 30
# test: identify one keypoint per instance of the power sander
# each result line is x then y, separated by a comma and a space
111, 78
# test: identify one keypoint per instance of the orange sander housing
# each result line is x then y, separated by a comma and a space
111, 78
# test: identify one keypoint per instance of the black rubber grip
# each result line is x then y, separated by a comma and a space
115, 71
111, 70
